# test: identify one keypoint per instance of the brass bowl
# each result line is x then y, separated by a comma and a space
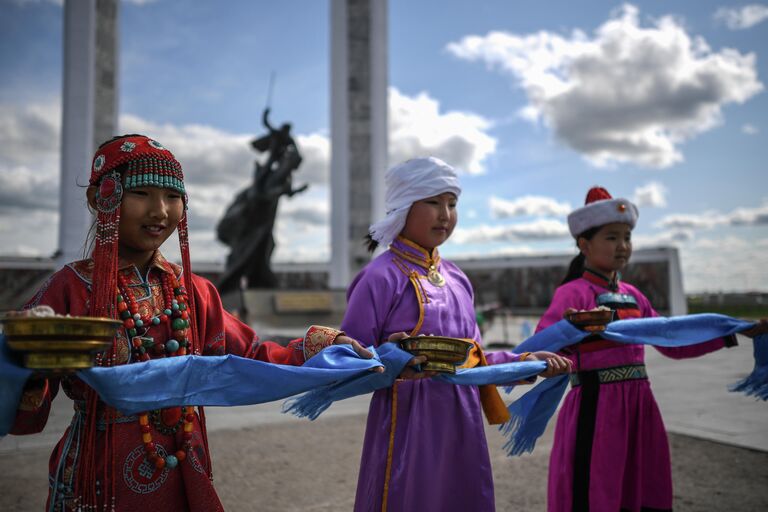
443, 354
591, 321
59, 344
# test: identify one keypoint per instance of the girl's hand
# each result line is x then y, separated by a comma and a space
412, 370
761, 327
360, 350
556, 365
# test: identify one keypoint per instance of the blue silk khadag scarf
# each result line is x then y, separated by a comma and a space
216, 381
337, 373
530, 414
334, 374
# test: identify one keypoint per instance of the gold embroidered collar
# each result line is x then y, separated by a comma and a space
422, 258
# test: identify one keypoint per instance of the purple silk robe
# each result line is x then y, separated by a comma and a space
630, 464
425, 446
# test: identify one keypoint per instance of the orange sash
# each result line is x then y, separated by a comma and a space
493, 406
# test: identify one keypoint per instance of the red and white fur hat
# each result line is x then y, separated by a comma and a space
600, 209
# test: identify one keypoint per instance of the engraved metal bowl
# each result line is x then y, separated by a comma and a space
591, 321
443, 354
59, 344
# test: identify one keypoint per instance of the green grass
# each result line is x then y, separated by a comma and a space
738, 311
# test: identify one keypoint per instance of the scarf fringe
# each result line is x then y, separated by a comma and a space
756, 383
530, 414
314, 402
309, 405
516, 444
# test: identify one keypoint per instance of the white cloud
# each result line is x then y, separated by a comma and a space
731, 242
673, 237
30, 233
725, 264
455, 252
749, 216
710, 219
627, 94
750, 129
528, 206
728, 263
29, 162
30, 136
21, 189
706, 220
417, 127
651, 194
743, 17
218, 164
309, 213
542, 229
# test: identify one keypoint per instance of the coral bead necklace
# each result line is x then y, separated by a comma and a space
175, 313
170, 460
136, 326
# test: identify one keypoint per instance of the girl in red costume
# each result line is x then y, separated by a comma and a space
157, 460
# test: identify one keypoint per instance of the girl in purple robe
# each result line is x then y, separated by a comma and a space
425, 446
610, 450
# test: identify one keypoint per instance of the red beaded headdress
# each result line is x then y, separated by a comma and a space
123, 164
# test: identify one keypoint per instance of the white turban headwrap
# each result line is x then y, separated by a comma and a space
406, 183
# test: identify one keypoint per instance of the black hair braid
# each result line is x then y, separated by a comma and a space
576, 268
370, 243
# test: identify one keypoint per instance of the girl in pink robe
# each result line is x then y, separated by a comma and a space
610, 451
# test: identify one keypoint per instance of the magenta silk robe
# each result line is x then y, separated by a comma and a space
425, 446
629, 467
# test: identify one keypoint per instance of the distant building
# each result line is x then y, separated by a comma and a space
522, 284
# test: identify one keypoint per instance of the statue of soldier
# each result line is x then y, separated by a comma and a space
248, 222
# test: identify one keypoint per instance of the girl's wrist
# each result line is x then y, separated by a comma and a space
319, 337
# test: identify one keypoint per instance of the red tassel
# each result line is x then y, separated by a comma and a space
204, 434
105, 253
85, 484
197, 348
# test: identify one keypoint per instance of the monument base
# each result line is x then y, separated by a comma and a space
282, 315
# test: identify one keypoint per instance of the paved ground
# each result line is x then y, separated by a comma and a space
296, 465
266, 461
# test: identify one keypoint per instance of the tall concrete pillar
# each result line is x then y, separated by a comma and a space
678, 305
359, 80
89, 110
106, 69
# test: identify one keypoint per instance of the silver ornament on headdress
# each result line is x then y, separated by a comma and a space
98, 164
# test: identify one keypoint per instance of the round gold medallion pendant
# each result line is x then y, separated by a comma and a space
434, 277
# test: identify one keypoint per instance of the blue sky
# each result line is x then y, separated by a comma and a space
663, 102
